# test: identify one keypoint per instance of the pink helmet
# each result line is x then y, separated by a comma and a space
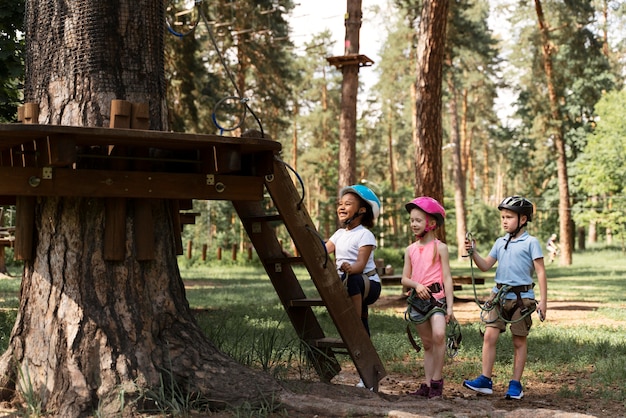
428, 205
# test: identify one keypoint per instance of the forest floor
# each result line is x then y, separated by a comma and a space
342, 399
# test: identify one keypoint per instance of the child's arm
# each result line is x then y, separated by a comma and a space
540, 270
448, 284
483, 264
421, 290
361, 261
406, 272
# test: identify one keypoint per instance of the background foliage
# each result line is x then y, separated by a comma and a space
244, 49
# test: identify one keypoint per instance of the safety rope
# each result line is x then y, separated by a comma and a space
499, 298
239, 97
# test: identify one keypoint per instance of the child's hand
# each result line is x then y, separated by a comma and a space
541, 310
346, 267
470, 246
422, 291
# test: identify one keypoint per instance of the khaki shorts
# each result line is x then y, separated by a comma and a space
510, 312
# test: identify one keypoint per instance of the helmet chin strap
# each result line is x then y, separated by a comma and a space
514, 234
427, 229
352, 218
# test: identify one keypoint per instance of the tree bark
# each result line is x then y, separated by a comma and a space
349, 90
93, 334
565, 217
458, 173
427, 134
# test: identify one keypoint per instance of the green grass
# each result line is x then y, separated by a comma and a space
240, 312
594, 354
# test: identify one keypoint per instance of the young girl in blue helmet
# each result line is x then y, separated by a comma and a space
427, 271
353, 245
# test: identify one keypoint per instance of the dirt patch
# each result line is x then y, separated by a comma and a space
341, 398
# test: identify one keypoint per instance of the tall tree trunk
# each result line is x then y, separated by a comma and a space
93, 334
457, 167
349, 90
427, 135
565, 218
393, 220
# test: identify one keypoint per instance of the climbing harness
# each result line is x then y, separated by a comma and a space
497, 300
453, 337
426, 308
366, 281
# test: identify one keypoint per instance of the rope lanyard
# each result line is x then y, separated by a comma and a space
498, 300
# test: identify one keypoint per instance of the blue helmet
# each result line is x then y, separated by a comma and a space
366, 194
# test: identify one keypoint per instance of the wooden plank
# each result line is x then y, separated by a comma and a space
24, 227
144, 230
15, 134
187, 218
177, 226
115, 229
115, 207
460, 280
16, 181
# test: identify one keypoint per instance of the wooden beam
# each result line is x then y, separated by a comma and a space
115, 207
24, 227
144, 230
65, 182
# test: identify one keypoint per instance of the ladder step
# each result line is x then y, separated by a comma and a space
306, 302
264, 218
327, 342
284, 260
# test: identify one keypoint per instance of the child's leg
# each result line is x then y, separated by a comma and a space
425, 332
489, 350
433, 336
520, 352
438, 324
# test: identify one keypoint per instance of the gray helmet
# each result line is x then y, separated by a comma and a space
519, 205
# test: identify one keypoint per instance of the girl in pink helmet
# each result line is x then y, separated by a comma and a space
427, 273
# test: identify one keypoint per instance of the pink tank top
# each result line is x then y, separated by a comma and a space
423, 270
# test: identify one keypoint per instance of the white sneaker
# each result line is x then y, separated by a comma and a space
362, 385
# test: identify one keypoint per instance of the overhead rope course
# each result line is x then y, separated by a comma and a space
183, 21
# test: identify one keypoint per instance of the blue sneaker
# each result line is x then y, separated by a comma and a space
481, 384
515, 390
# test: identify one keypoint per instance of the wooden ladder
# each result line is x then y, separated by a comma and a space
353, 340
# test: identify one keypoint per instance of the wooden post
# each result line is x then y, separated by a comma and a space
25, 205
24, 227
115, 208
219, 253
234, 252
204, 249
143, 221
189, 247
178, 228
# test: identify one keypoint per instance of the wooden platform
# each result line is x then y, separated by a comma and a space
52, 160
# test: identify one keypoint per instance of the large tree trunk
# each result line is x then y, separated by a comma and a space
566, 235
427, 134
349, 90
91, 331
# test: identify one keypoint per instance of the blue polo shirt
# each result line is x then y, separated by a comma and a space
516, 263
